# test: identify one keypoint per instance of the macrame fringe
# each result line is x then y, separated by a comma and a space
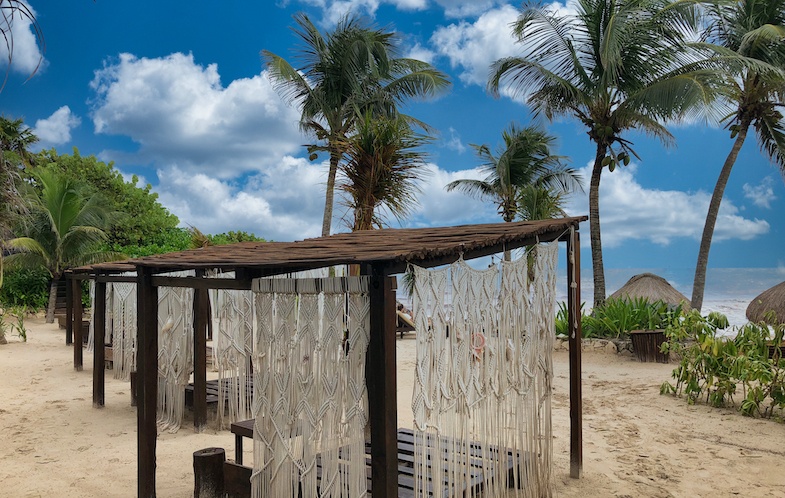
483, 377
311, 397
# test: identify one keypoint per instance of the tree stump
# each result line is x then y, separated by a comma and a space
209, 473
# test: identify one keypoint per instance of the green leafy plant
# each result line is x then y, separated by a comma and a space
25, 287
715, 368
617, 317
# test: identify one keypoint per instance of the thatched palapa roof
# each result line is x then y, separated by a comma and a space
769, 300
653, 288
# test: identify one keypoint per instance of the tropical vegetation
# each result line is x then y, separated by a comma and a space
65, 229
353, 70
754, 29
616, 318
746, 371
525, 179
615, 66
381, 171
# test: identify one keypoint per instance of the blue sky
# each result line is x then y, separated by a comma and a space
175, 92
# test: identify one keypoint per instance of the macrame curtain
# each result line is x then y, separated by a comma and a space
309, 380
175, 354
232, 350
482, 393
121, 320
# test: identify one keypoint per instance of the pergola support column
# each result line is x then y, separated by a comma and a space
99, 348
69, 313
574, 340
147, 381
76, 293
382, 384
201, 318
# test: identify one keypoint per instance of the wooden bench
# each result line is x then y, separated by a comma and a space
406, 469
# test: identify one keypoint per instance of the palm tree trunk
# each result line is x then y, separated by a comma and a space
594, 228
699, 284
50, 309
335, 157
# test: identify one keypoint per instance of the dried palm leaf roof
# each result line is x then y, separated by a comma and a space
771, 300
390, 247
653, 288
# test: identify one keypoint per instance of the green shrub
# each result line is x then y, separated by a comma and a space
714, 368
619, 316
25, 287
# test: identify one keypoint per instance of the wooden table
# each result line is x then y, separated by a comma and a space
241, 429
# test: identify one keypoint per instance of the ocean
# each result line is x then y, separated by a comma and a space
728, 290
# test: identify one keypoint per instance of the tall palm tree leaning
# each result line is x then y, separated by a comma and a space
525, 160
65, 229
351, 69
616, 66
382, 168
754, 29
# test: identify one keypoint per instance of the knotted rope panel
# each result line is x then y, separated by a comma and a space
483, 381
175, 354
311, 404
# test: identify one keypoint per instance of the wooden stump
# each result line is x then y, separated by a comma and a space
209, 473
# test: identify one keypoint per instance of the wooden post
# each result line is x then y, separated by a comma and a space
201, 310
76, 292
209, 473
147, 381
382, 385
69, 312
99, 322
574, 317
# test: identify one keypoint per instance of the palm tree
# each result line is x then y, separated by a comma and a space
352, 69
614, 65
15, 140
65, 230
381, 170
10, 11
754, 29
537, 202
525, 159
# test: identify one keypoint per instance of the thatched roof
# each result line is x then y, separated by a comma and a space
653, 288
769, 300
393, 248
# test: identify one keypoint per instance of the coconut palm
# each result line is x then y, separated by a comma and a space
381, 171
15, 141
10, 12
350, 70
537, 202
525, 159
614, 65
754, 29
65, 229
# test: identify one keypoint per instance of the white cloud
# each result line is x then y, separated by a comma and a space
179, 113
466, 8
630, 211
474, 46
283, 203
24, 46
421, 54
437, 207
56, 129
455, 142
762, 194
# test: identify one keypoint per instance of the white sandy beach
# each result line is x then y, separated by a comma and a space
637, 443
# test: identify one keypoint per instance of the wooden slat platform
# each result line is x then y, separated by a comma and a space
406, 470
212, 391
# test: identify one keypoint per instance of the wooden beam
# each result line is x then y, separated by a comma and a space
147, 382
69, 312
202, 283
201, 317
382, 384
574, 317
76, 292
99, 340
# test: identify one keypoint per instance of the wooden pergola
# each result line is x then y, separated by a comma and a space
380, 254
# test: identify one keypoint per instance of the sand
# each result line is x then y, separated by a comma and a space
637, 443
